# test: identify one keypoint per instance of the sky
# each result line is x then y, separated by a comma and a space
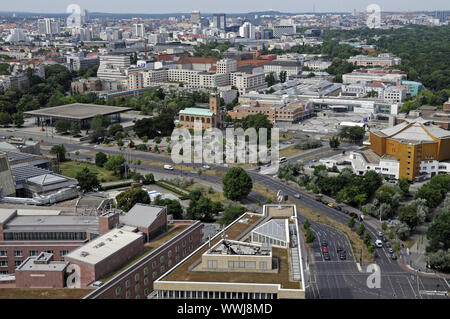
220, 6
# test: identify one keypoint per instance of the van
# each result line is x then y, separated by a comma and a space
282, 160
378, 243
168, 167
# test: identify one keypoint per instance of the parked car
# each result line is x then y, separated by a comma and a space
326, 256
297, 195
390, 250
168, 167
342, 255
330, 205
352, 214
345, 211
206, 166
393, 256
324, 242
380, 234
338, 208
339, 249
378, 243
324, 249
384, 239
388, 244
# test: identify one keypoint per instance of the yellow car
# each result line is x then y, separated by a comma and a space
330, 205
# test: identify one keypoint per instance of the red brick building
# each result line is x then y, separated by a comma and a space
136, 281
41, 272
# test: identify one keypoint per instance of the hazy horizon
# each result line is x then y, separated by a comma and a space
230, 6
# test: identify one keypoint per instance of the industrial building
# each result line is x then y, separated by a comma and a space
257, 256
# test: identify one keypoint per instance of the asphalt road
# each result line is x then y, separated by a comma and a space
327, 279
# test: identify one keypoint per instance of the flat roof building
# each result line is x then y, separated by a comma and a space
151, 220
234, 266
77, 112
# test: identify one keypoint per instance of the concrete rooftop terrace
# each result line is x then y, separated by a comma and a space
242, 226
78, 111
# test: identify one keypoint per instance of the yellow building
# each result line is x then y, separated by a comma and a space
414, 143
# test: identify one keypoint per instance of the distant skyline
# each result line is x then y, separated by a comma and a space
229, 6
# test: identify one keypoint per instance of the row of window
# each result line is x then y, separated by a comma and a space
154, 265
19, 253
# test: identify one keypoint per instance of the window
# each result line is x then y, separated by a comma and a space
177, 248
17, 263
33, 252
146, 291
137, 287
162, 259
263, 265
184, 252
154, 264
3, 263
118, 290
18, 253
169, 254
128, 283
162, 269
146, 281
137, 277
183, 243
3, 253
154, 275
190, 238
212, 264
62, 253
128, 294
49, 251
145, 270
169, 263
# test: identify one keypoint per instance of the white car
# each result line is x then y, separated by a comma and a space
206, 166
168, 167
378, 243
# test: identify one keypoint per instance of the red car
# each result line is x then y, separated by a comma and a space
324, 249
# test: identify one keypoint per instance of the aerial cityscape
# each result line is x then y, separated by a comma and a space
205, 151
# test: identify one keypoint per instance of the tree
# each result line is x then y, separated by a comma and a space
439, 231
361, 229
100, 159
17, 119
149, 179
270, 79
114, 129
403, 184
309, 235
62, 126
306, 225
334, 142
351, 222
237, 184
384, 226
87, 180
431, 193
127, 199
200, 209
116, 163
371, 249
5, 118
231, 213
59, 151
367, 239
74, 129
173, 206
402, 230
98, 128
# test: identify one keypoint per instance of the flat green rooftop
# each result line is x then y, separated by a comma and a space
196, 111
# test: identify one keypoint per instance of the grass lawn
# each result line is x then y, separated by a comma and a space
214, 195
291, 151
38, 293
286, 137
71, 169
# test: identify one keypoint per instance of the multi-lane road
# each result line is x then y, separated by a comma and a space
332, 278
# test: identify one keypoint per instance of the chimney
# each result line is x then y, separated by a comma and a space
107, 221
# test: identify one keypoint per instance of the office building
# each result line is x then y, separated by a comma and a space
291, 67
139, 30
382, 60
225, 66
257, 256
280, 30
195, 17
48, 26
219, 21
